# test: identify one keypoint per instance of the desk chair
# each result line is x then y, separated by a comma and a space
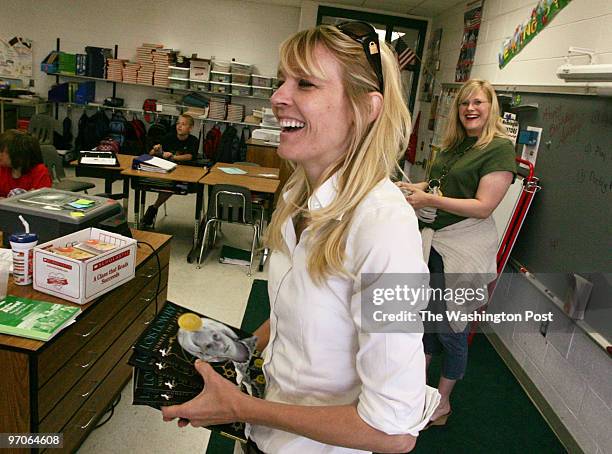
229, 203
41, 127
55, 164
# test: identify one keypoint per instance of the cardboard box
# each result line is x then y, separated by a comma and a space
81, 281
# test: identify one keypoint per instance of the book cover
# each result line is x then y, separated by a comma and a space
234, 256
33, 319
164, 357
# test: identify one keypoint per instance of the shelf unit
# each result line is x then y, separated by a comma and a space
212, 93
180, 106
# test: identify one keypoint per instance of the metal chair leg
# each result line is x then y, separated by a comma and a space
204, 240
255, 235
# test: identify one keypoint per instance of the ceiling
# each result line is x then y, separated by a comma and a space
424, 8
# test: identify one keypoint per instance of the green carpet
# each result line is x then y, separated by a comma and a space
491, 412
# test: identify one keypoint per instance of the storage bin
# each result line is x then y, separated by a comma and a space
219, 87
200, 69
240, 68
243, 79
261, 81
216, 76
182, 73
241, 90
262, 92
221, 66
178, 83
199, 85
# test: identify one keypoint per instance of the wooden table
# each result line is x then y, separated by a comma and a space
255, 179
181, 174
65, 385
266, 154
110, 174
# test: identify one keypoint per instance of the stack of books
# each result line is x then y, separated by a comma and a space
216, 109
33, 319
130, 72
162, 58
144, 56
164, 357
235, 112
114, 69
149, 163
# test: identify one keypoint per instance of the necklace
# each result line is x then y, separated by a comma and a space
435, 184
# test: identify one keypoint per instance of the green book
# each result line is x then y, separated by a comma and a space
234, 255
38, 320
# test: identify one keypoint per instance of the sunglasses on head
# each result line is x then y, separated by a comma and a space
366, 35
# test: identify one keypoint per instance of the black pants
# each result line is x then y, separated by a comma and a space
251, 448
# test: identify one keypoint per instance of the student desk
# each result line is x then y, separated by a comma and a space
255, 180
108, 173
181, 174
68, 383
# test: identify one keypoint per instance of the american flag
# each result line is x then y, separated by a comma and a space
405, 55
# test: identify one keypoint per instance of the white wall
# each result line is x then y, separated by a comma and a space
247, 31
570, 370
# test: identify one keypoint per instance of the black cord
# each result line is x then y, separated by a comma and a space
111, 411
158, 271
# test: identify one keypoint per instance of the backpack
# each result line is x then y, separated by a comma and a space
155, 134
108, 144
211, 142
229, 147
117, 127
149, 105
135, 137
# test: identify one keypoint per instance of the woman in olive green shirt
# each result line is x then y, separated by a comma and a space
468, 180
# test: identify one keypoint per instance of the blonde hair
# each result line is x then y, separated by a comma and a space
455, 132
371, 155
189, 119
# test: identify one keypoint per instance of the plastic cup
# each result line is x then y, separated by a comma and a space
22, 245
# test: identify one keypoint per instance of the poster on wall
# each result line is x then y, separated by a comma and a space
540, 17
471, 27
16, 58
432, 65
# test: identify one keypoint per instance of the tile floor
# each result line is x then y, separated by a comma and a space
217, 290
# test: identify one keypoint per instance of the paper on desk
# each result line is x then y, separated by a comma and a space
232, 170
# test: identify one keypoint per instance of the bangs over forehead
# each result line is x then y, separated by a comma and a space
297, 55
470, 90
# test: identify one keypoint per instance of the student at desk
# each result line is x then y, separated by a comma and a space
178, 147
21, 164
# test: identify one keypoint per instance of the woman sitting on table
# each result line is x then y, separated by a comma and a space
468, 180
333, 384
21, 164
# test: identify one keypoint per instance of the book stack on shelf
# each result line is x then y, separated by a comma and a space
235, 112
144, 56
130, 72
164, 357
33, 319
114, 69
216, 110
162, 59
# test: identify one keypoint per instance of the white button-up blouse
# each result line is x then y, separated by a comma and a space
317, 353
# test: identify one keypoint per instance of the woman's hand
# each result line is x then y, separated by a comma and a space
412, 186
156, 150
419, 199
216, 404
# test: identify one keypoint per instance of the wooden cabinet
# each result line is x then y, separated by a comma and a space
67, 384
265, 155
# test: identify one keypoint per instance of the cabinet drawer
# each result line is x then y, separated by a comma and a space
149, 268
88, 324
86, 418
85, 358
98, 375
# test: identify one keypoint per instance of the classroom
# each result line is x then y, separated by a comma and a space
218, 117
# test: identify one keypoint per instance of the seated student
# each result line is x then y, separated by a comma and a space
177, 147
21, 164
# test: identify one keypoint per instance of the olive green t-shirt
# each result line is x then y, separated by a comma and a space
463, 177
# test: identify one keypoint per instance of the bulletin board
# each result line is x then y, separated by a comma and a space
16, 58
